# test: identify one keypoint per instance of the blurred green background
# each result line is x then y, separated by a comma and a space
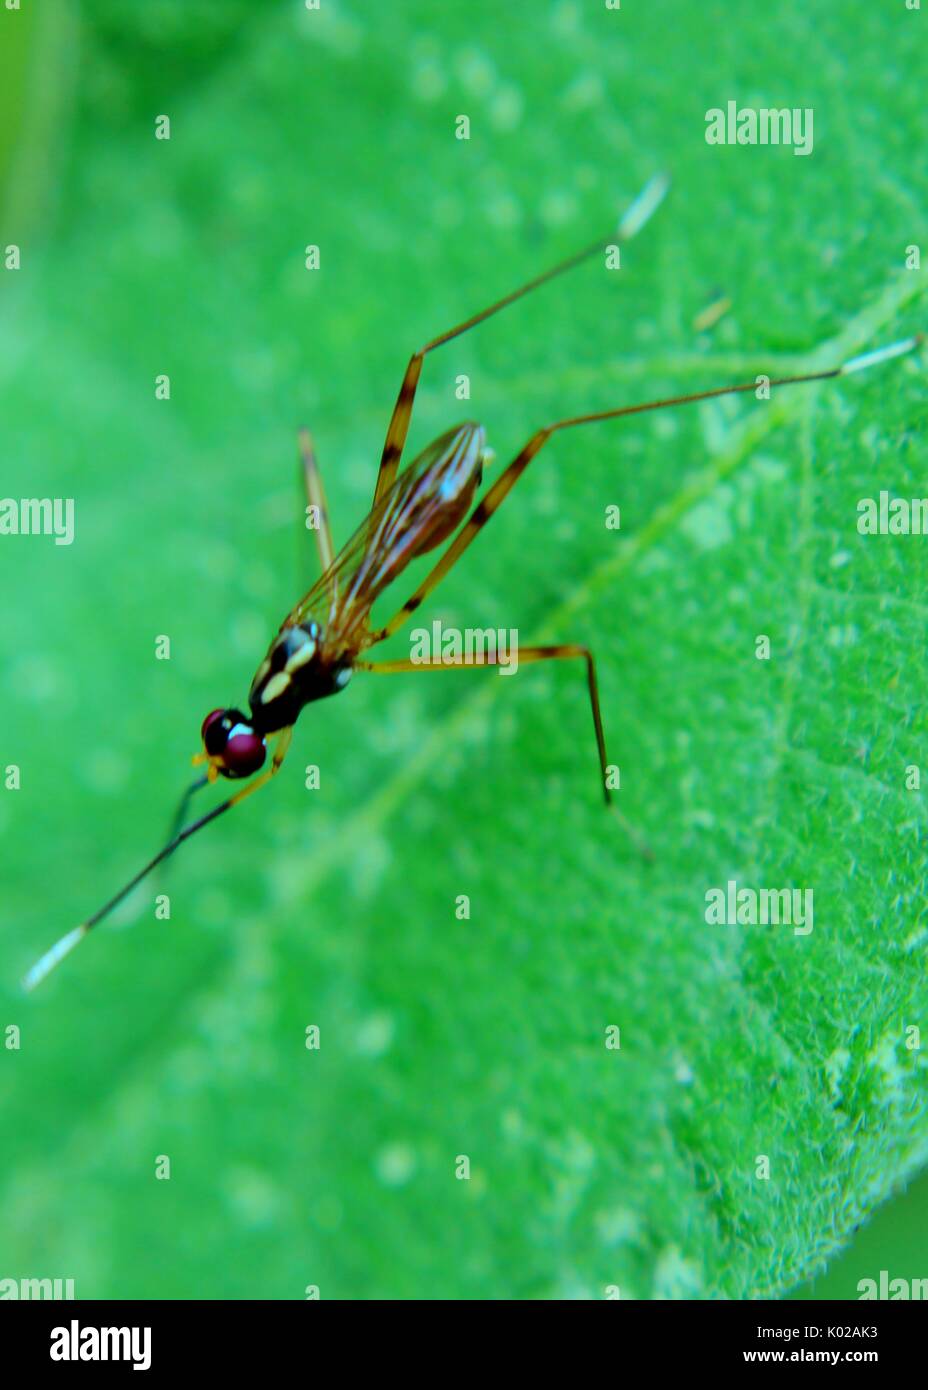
590, 1168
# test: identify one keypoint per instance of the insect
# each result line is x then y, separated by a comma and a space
324, 640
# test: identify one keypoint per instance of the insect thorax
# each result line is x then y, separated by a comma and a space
296, 670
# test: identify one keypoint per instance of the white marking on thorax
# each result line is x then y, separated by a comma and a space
304, 652
279, 682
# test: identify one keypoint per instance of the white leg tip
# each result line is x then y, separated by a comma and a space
644, 206
46, 964
883, 354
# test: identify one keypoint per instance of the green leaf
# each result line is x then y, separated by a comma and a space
484, 1037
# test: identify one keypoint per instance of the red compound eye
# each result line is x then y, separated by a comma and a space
231, 741
211, 719
245, 752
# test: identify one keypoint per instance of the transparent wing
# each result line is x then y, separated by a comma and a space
415, 514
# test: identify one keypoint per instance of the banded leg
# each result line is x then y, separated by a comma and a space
634, 218
564, 651
45, 964
315, 497
511, 474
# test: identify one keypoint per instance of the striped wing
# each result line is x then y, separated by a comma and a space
421, 508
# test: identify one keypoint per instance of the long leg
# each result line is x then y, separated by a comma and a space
315, 497
632, 222
180, 815
66, 944
510, 476
564, 651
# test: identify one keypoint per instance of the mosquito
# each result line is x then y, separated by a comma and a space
323, 641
